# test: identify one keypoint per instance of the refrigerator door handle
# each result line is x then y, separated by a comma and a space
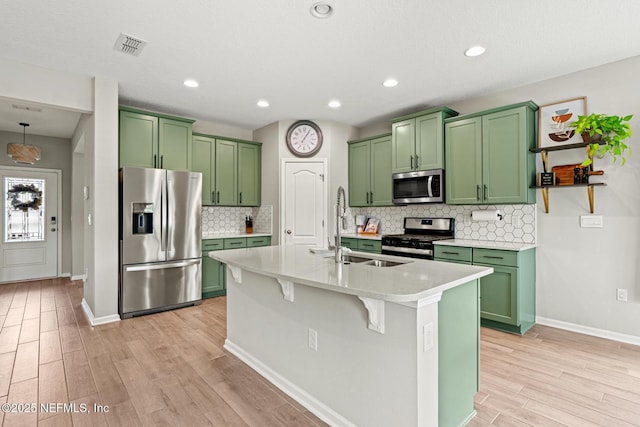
162, 266
163, 218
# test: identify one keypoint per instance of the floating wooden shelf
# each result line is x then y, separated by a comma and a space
558, 148
545, 162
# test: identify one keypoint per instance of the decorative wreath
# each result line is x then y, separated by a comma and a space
16, 203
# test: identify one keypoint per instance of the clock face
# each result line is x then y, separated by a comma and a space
304, 138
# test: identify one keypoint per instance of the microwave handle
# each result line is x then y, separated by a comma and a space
429, 185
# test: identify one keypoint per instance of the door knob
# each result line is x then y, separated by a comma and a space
288, 231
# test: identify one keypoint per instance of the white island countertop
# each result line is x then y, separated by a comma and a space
410, 282
486, 244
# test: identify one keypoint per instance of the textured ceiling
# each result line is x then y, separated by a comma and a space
241, 51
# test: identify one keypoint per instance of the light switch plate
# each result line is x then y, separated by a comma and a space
591, 221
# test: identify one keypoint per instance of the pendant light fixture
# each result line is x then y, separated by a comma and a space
23, 153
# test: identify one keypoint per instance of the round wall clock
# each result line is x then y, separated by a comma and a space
304, 138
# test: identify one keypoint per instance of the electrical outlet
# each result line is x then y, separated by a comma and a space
621, 295
313, 339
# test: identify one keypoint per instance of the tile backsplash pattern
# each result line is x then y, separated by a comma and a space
518, 224
231, 219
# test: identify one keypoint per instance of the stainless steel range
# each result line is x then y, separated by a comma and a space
419, 235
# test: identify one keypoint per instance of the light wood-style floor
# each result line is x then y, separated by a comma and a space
170, 369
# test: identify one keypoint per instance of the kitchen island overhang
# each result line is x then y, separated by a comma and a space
358, 344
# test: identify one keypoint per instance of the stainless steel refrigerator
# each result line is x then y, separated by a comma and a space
160, 240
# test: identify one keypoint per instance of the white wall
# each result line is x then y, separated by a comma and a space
55, 154
98, 97
102, 154
579, 269
334, 148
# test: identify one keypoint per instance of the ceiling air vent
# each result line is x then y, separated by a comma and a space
129, 44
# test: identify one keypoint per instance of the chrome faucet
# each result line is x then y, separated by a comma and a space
341, 210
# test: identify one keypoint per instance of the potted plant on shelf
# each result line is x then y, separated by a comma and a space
605, 134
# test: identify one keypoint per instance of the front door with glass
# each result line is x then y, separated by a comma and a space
30, 223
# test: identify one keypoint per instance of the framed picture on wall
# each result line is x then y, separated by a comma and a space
554, 120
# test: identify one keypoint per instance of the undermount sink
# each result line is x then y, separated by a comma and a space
383, 263
354, 259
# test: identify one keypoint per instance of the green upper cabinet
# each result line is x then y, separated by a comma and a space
417, 140
151, 140
138, 139
204, 149
226, 172
175, 144
370, 181
487, 156
231, 170
249, 174
463, 166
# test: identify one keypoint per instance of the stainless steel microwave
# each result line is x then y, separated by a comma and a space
419, 187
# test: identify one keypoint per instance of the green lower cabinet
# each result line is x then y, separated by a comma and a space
363, 245
508, 301
214, 276
458, 353
213, 271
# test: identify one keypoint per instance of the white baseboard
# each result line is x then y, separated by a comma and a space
79, 277
318, 408
601, 333
95, 321
65, 275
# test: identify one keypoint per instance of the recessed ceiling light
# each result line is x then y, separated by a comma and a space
334, 103
390, 83
321, 10
263, 103
191, 83
474, 51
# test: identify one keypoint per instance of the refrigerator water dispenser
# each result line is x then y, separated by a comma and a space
142, 219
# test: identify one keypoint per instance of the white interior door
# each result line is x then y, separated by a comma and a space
30, 218
304, 202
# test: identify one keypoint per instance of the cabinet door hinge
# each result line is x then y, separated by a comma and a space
322, 177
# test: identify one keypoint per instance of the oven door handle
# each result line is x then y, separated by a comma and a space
400, 251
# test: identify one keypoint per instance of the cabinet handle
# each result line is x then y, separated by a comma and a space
155, 156
162, 161
492, 257
485, 191
240, 197
371, 198
213, 197
218, 200
411, 162
367, 197
477, 192
417, 162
